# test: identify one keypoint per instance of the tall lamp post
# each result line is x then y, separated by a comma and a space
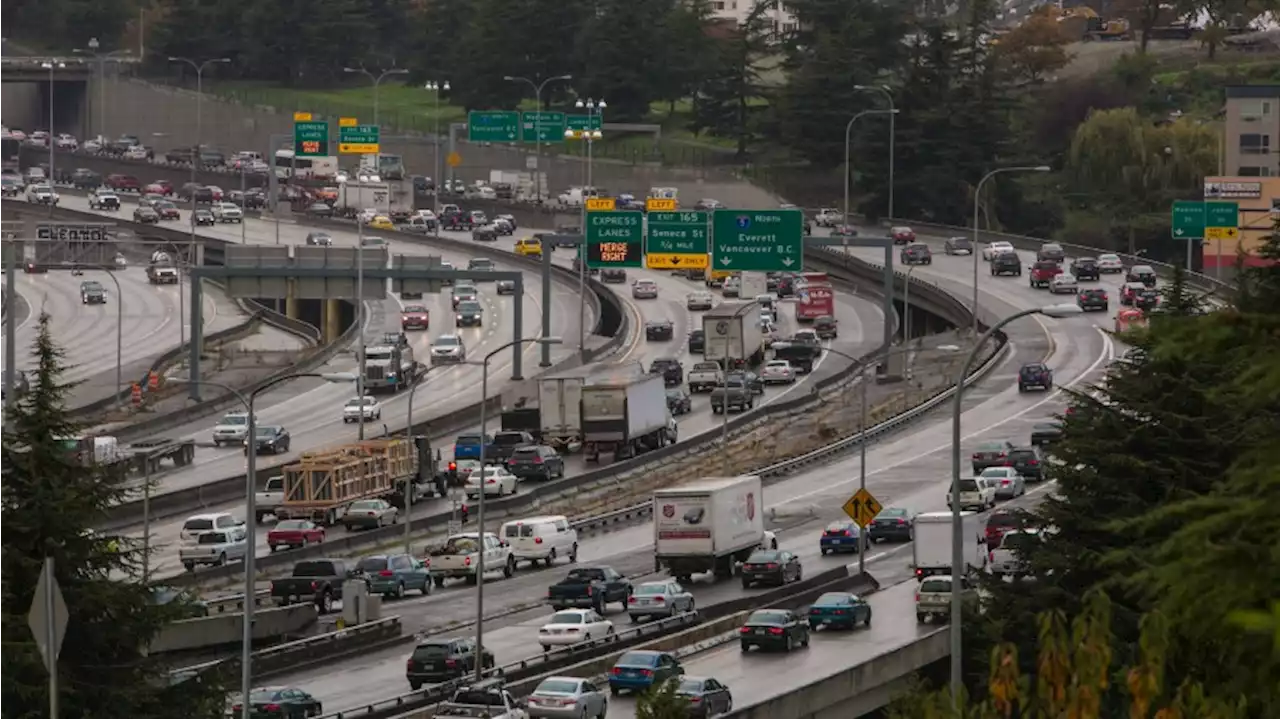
102, 59
436, 88
250, 487
51, 66
590, 134
484, 397
957, 520
888, 95
377, 80
847, 130
538, 87
196, 157
977, 201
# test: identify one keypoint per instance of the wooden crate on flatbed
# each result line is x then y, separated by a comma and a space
321, 484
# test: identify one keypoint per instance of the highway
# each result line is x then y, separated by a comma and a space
909, 470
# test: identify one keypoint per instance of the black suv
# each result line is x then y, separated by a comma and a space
1141, 273
1086, 268
535, 462
1028, 462
1093, 300
443, 659
613, 275
669, 369
1051, 252
697, 342
1035, 375
1006, 263
658, 330
917, 254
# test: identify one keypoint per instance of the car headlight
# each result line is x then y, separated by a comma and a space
459, 318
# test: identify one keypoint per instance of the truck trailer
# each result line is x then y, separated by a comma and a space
388, 367
709, 525
817, 297
733, 335
560, 410
625, 416
321, 485
931, 550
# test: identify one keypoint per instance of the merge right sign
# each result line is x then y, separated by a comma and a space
758, 240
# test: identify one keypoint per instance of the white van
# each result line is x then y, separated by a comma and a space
201, 523
541, 538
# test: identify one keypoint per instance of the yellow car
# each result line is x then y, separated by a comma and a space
529, 246
382, 223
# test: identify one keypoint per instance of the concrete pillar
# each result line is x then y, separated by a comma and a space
332, 320
291, 307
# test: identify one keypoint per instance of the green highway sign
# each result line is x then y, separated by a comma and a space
758, 240
581, 123
311, 139
615, 239
676, 239
1214, 220
358, 139
542, 127
493, 126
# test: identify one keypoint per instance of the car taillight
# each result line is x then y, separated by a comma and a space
386, 573
902, 522
770, 565
615, 671
236, 708
838, 611
1004, 483
537, 460
512, 461
695, 700
1002, 455
271, 708
745, 630
491, 481
659, 599
1033, 462
631, 600
451, 663
537, 540
467, 561
1008, 463
315, 586
589, 591
409, 665
775, 630
453, 466
917, 596
647, 672
919, 573
977, 455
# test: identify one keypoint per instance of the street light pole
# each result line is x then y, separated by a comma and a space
724, 378
484, 417
957, 520
196, 157
977, 200
437, 87
590, 134
538, 87
888, 95
251, 455
847, 130
51, 66
102, 59
377, 80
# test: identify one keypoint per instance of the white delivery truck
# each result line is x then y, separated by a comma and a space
711, 524
560, 410
752, 284
733, 335
358, 196
625, 416
931, 550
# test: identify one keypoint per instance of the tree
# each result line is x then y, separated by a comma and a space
437, 55
1072, 673
1035, 48
662, 702
624, 68
1259, 286
1142, 14
49, 501
729, 102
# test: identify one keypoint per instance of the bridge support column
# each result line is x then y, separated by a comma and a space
332, 320
291, 307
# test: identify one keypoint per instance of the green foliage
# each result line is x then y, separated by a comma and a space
662, 702
49, 500
65, 24
727, 102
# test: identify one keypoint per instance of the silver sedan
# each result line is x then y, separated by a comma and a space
567, 698
1006, 480
1064, 284
370, 514
659, 599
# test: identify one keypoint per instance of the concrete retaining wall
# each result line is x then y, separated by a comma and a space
225, 629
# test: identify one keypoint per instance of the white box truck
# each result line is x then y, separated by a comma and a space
733, 335
709, 525
359, 196
560, 410
625, 416
931, 550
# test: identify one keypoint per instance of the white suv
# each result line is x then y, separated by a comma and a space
361, 408
231, 429
227, 212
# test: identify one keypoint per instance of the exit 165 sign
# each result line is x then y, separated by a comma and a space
615, 239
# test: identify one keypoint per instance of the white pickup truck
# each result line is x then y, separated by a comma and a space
460, 557
705, 376
976, 493
485, 699
269, 499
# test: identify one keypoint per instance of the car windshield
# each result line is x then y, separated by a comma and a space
267, 431
833, 598
968, 485
936, 585
356, 401
767, 616
892, 512
991, 447
689, 686
259, 696
466, 307
762, 557
372, 564
1002, 520
651, 589
415, 310
521, 452
197, 525
566, 618
430, 651
446, 341
365, 504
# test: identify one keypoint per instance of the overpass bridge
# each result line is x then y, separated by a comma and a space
60, 93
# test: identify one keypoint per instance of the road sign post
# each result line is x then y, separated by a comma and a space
310, 138
542, 127
359, 139
1212, 220
615, 239
758, 240
48, 619
493, 126
676, 240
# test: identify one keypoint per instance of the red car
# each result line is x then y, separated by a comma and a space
123, 183
1043, 271
159, 187
292, 533
415, 317
999, 524
903, 235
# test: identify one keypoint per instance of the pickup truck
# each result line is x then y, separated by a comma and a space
485, 699
467, 446
730, 395
1043, 272
460, 557
505, 444
316, 580
933, 599
705, 377
269, 499
592, 587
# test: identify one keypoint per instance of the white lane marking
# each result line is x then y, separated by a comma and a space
1103, 356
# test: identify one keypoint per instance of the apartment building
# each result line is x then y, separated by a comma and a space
1252, 131
738, 10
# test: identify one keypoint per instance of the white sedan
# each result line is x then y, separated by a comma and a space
644, 289
698, 301
361, 408
996, 248
1064, 284
1110, 264
497, 481
778, 372
573, 626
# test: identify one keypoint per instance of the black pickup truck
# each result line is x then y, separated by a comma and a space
313, 580
505, 444
592, 587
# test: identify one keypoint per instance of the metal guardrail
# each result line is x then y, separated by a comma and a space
229, 603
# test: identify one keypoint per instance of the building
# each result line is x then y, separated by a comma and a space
1252, 131
1258, 203
738, 11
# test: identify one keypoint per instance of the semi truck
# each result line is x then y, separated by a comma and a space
146, 456
709, 525
931, 550
388, 367
161, 271
322, 484
817, 297
625, 416
560, 410
357, 196
733, 335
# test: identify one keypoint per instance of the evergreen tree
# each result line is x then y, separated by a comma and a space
731, 100
436, 54
662, 702
626, 69
50, 500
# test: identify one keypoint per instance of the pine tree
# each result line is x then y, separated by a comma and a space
662, 702
50, 500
